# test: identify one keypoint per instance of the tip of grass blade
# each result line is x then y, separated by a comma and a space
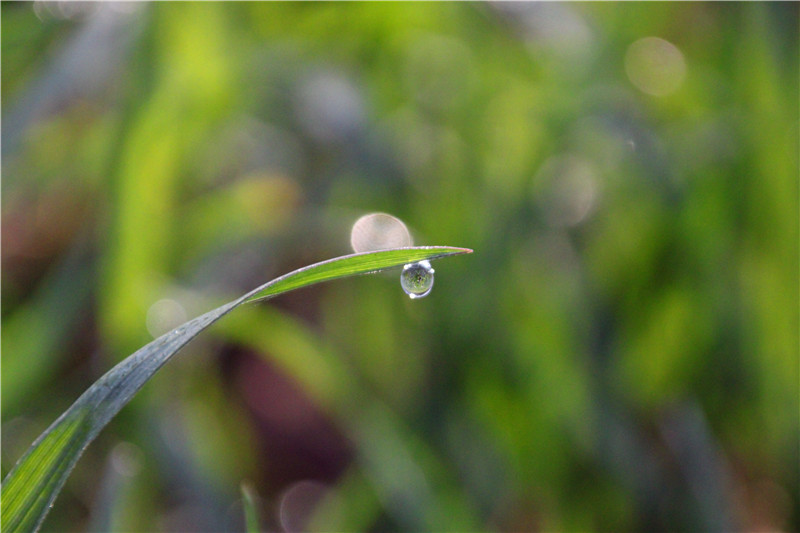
449, 250
349, 265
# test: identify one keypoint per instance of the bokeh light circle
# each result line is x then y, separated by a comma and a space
379, 231
655, 66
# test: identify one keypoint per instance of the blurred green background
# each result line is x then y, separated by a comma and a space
619, 353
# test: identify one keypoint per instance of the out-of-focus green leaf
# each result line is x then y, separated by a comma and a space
33, 333
32, 485
400, 472
250, 511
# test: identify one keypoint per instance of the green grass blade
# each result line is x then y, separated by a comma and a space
25, 495
250, 510
32, 485
350, 265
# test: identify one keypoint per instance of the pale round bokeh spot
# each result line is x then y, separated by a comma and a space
329, 107
655, 66
569, 189
127, 459
163, 316
379, 231
297, 504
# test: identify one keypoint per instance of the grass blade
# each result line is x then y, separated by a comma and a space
250, 511
350, 265
32, 485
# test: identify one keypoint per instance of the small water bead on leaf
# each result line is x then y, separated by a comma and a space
417, 279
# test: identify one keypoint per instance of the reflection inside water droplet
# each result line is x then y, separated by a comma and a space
417, 279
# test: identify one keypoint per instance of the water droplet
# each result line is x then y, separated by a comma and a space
417, 279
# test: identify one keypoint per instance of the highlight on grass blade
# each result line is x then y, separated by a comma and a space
249, 498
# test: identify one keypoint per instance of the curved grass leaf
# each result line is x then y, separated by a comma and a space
30, 488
